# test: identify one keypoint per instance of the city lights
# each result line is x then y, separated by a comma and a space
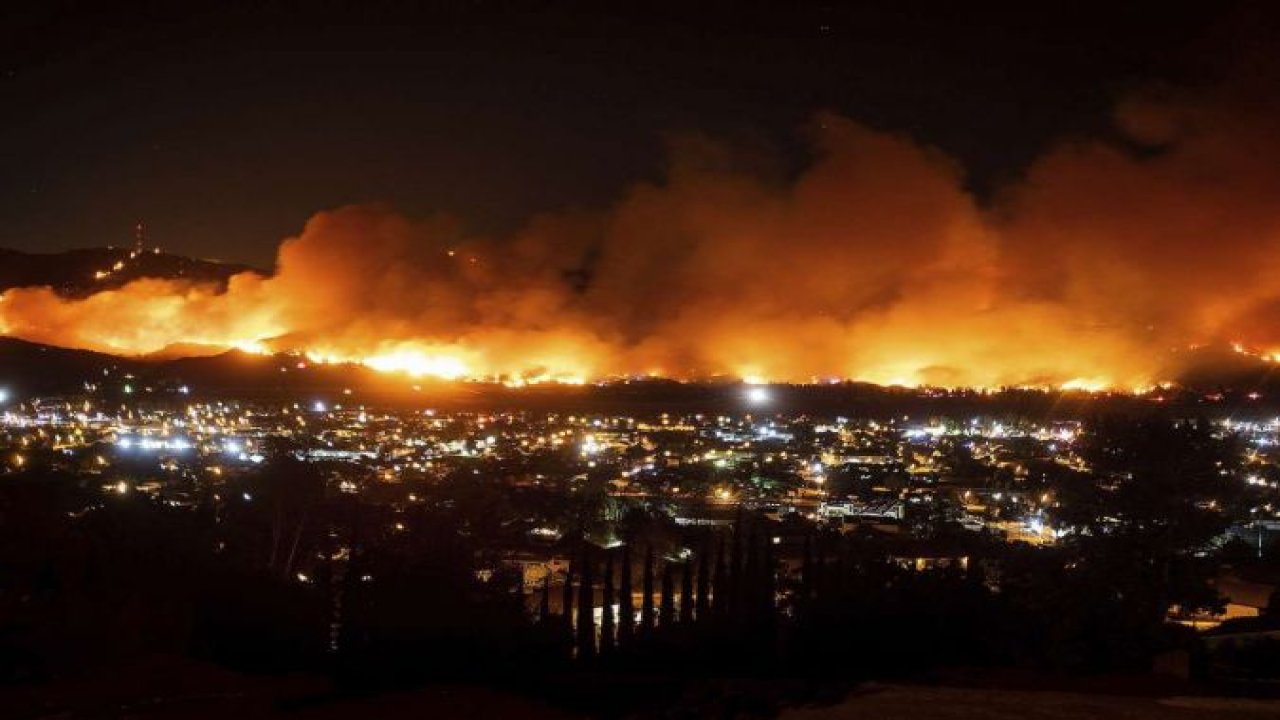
623, 360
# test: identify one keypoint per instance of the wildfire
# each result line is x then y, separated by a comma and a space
424, 360
1092, 385
1270, 356
873, 264
253, 347
417, 364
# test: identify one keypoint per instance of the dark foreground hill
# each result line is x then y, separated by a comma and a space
165, 688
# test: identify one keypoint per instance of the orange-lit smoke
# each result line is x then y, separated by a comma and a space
874, 264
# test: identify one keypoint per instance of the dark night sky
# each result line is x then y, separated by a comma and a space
225, 129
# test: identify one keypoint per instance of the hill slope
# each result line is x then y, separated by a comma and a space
75, 273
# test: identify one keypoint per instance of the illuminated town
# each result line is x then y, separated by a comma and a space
640, 361
697, 469
906, 480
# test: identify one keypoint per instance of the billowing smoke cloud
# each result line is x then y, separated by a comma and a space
873, 264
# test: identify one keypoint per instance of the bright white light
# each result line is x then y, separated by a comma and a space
4, 395
318, 407
757, 395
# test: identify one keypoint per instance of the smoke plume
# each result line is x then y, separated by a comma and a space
874, 264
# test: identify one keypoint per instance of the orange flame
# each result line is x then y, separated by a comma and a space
875, 264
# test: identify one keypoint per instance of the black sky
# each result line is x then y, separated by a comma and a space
225, 128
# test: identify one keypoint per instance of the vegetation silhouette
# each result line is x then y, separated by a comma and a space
276, 572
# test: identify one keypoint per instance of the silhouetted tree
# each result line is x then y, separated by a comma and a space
806, 571
586, 608
566, 598
544, 605
626, 602
720, 583
768, 589
646, 603
667, 609
686, 593
606, 619
747, 602
418, 608
733, 598
1139, 522
703, 605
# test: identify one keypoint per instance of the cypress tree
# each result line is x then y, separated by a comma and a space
768, 591
686, 593
667, 610
733, 597
766, 602
720, 583
703, 605
325, 579
544, 607
626, 603
839, 573
566, 599
749, 588
352, 605
586, 609
975, 574
806, 571
646, 603
606, 618
821, 589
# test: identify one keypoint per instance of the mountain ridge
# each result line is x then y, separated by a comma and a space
82, 271
48, 369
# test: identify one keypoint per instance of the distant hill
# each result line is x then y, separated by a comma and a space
1220, 367
1211, 378
33, 369
29, 370
76, 273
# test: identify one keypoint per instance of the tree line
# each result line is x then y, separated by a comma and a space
275, 573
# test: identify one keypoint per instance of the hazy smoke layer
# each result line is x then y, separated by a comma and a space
873, 264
